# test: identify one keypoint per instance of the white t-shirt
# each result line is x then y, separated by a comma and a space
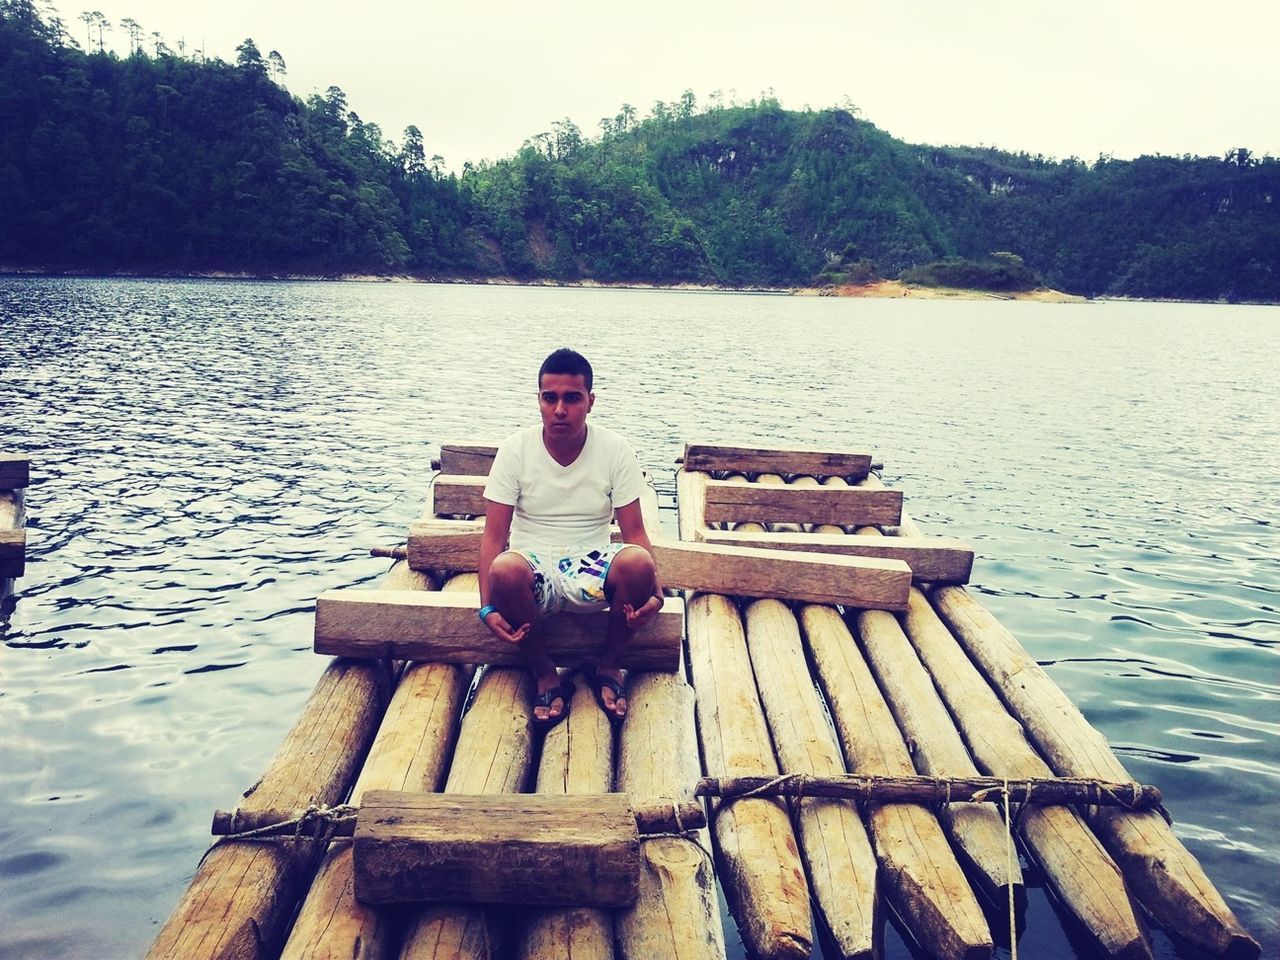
559, 509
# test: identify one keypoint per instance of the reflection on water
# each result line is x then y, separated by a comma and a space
209, 456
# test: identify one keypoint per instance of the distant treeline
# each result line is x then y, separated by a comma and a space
161, 162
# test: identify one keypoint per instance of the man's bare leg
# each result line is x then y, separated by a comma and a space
631, 582
511, 591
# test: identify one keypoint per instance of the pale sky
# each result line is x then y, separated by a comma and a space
1120, 77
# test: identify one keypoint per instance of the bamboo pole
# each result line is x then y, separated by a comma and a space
925, 880
1085, 878
833, 841
677, 915
764, 881
242, 895
493, 755
1165, 877
410, 752
577, 758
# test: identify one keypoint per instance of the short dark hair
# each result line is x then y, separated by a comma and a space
569, 362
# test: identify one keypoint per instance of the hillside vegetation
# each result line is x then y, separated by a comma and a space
165, 163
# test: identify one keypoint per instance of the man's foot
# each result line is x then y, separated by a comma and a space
606, 684
551, 705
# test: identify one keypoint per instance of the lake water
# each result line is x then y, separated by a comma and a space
209, 456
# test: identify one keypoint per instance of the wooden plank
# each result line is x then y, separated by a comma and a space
1165, 877
473, 459
925, 882
691, 498
709, 458
494, 755
460, 495
748, 571
1087, 881
833, 841
677, 913
444, 628
243, 894
13, 553
15, 471
738, 500
577, 758
522, 849
455, 544
764, 881
410, 752
931, 559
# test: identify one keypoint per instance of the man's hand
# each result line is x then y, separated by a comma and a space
636, 617
499, 627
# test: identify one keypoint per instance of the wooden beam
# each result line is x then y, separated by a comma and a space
13, 553
931, 559
443, 628
709, 457
473, 459
15, 471
455, 544
461, 495
738, 500
864, 582
525, 849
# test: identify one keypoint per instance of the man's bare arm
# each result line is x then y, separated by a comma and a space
631, 523
497, 530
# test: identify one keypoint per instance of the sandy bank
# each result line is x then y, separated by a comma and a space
896, 289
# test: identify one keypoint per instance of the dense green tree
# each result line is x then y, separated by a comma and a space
157, 162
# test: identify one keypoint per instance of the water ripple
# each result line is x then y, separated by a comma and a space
210, 456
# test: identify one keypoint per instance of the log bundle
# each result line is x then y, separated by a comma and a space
799, 706
15, 475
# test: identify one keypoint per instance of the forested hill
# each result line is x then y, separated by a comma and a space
160, 163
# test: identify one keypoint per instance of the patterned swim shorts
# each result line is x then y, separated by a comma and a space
572, 581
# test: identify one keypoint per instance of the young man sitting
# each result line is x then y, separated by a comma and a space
552, 492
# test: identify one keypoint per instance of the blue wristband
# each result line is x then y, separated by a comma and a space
487, 609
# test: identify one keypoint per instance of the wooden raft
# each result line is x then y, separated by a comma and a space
674, 914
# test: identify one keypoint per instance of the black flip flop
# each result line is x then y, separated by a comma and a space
562, 690
598, 682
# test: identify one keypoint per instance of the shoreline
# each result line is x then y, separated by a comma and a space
879, 289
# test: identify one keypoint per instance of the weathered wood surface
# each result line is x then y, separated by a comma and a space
921, 872
1163, 874
577, 758
458, 495
468, 459
709, 458
738, 500
676, 916
455, 544
931, 559
764, 881
410, 752
13, 535
524, 849
748, 571
15, 471
243, 894
1086, 880
443, 628
494, 754
977, 830
833, 841
691, 495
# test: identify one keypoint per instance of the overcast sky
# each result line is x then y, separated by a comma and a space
1081, 78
